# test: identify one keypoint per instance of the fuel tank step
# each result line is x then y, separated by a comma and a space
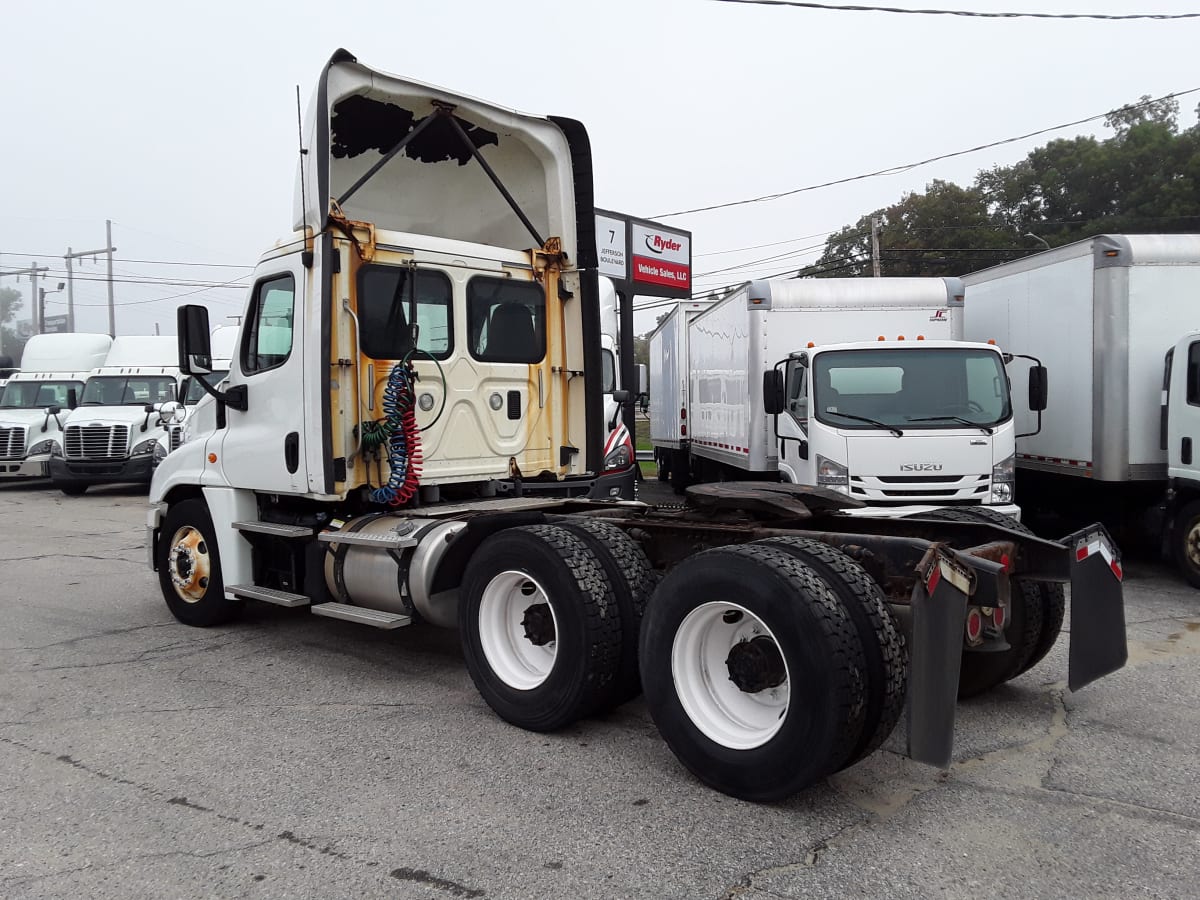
270, 595
384, 541
374, 617
275, 529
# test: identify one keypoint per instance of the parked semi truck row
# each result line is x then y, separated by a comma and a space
437, 346
39, 396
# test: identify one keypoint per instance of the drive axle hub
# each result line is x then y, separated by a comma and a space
756, 665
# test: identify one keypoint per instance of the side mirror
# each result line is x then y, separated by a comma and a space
55, 410
620, 396
643, 379
170, 413
1039, 388
195, 340
774, 399
72, 398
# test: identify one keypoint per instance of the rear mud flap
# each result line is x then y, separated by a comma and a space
1098, 643
939, 606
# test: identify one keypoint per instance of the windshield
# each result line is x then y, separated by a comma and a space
195, 392
128, 390
934, 388
38, 394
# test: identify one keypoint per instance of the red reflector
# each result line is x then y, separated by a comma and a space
1116, 568
1081, 554
998, 616
682, 413
974, 624
934, 577
1006, 562
683, 430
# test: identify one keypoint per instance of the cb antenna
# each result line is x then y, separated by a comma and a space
307, 255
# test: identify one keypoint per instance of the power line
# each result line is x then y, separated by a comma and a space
831, 7
795, 240
896, 170
148, 262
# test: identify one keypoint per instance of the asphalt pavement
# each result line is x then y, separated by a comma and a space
291, 756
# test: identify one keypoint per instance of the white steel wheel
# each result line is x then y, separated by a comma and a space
518, 630
189, 564
730, 676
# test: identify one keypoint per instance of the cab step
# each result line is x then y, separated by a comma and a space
385, 541
376, 618
275, 529
270, 595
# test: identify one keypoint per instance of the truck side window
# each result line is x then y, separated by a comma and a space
797, 391
506, 320
609, 379
385, 298
268, 341
1193, 375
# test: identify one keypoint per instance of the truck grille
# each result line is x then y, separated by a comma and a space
96, 442
176, 437
918, 488
12, 443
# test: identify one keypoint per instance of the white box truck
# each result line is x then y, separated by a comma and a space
881, 401
1113, 318
37, 398
669, 390
353, 465
118, 433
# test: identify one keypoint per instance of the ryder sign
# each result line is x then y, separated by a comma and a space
661, 257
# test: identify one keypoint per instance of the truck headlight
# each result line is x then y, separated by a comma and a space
44, 447
1003, 477
151, 447
619, 458
832, 473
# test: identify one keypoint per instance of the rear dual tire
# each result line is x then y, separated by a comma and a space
754, 672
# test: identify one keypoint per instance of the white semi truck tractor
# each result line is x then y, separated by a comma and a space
119, 431
423, 345
38, 398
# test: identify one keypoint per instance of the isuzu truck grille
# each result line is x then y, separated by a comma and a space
917, 488
96, 442
12, 443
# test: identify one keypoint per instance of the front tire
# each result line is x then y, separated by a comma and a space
1185, 540
189, 567
540, 628
753, 672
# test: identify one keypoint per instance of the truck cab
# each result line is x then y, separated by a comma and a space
119, 431
37, 399
846, 407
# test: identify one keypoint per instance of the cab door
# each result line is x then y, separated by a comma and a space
795, 463
263, 447
1182, 409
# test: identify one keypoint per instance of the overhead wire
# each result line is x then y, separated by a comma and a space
906, 167
973, 14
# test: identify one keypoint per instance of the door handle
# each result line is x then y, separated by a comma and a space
291, 452
1185, 451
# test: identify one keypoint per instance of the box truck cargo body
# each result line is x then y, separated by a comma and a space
1105, 315
882, 401
669, 387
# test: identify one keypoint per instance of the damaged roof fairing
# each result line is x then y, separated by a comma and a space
434, 186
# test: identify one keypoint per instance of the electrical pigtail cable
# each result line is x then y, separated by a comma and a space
402, 437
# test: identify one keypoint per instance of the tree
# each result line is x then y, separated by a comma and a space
1145, 178
11, 302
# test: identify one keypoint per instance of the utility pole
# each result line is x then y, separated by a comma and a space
70, 255
112, 318
33, 272
875, 246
